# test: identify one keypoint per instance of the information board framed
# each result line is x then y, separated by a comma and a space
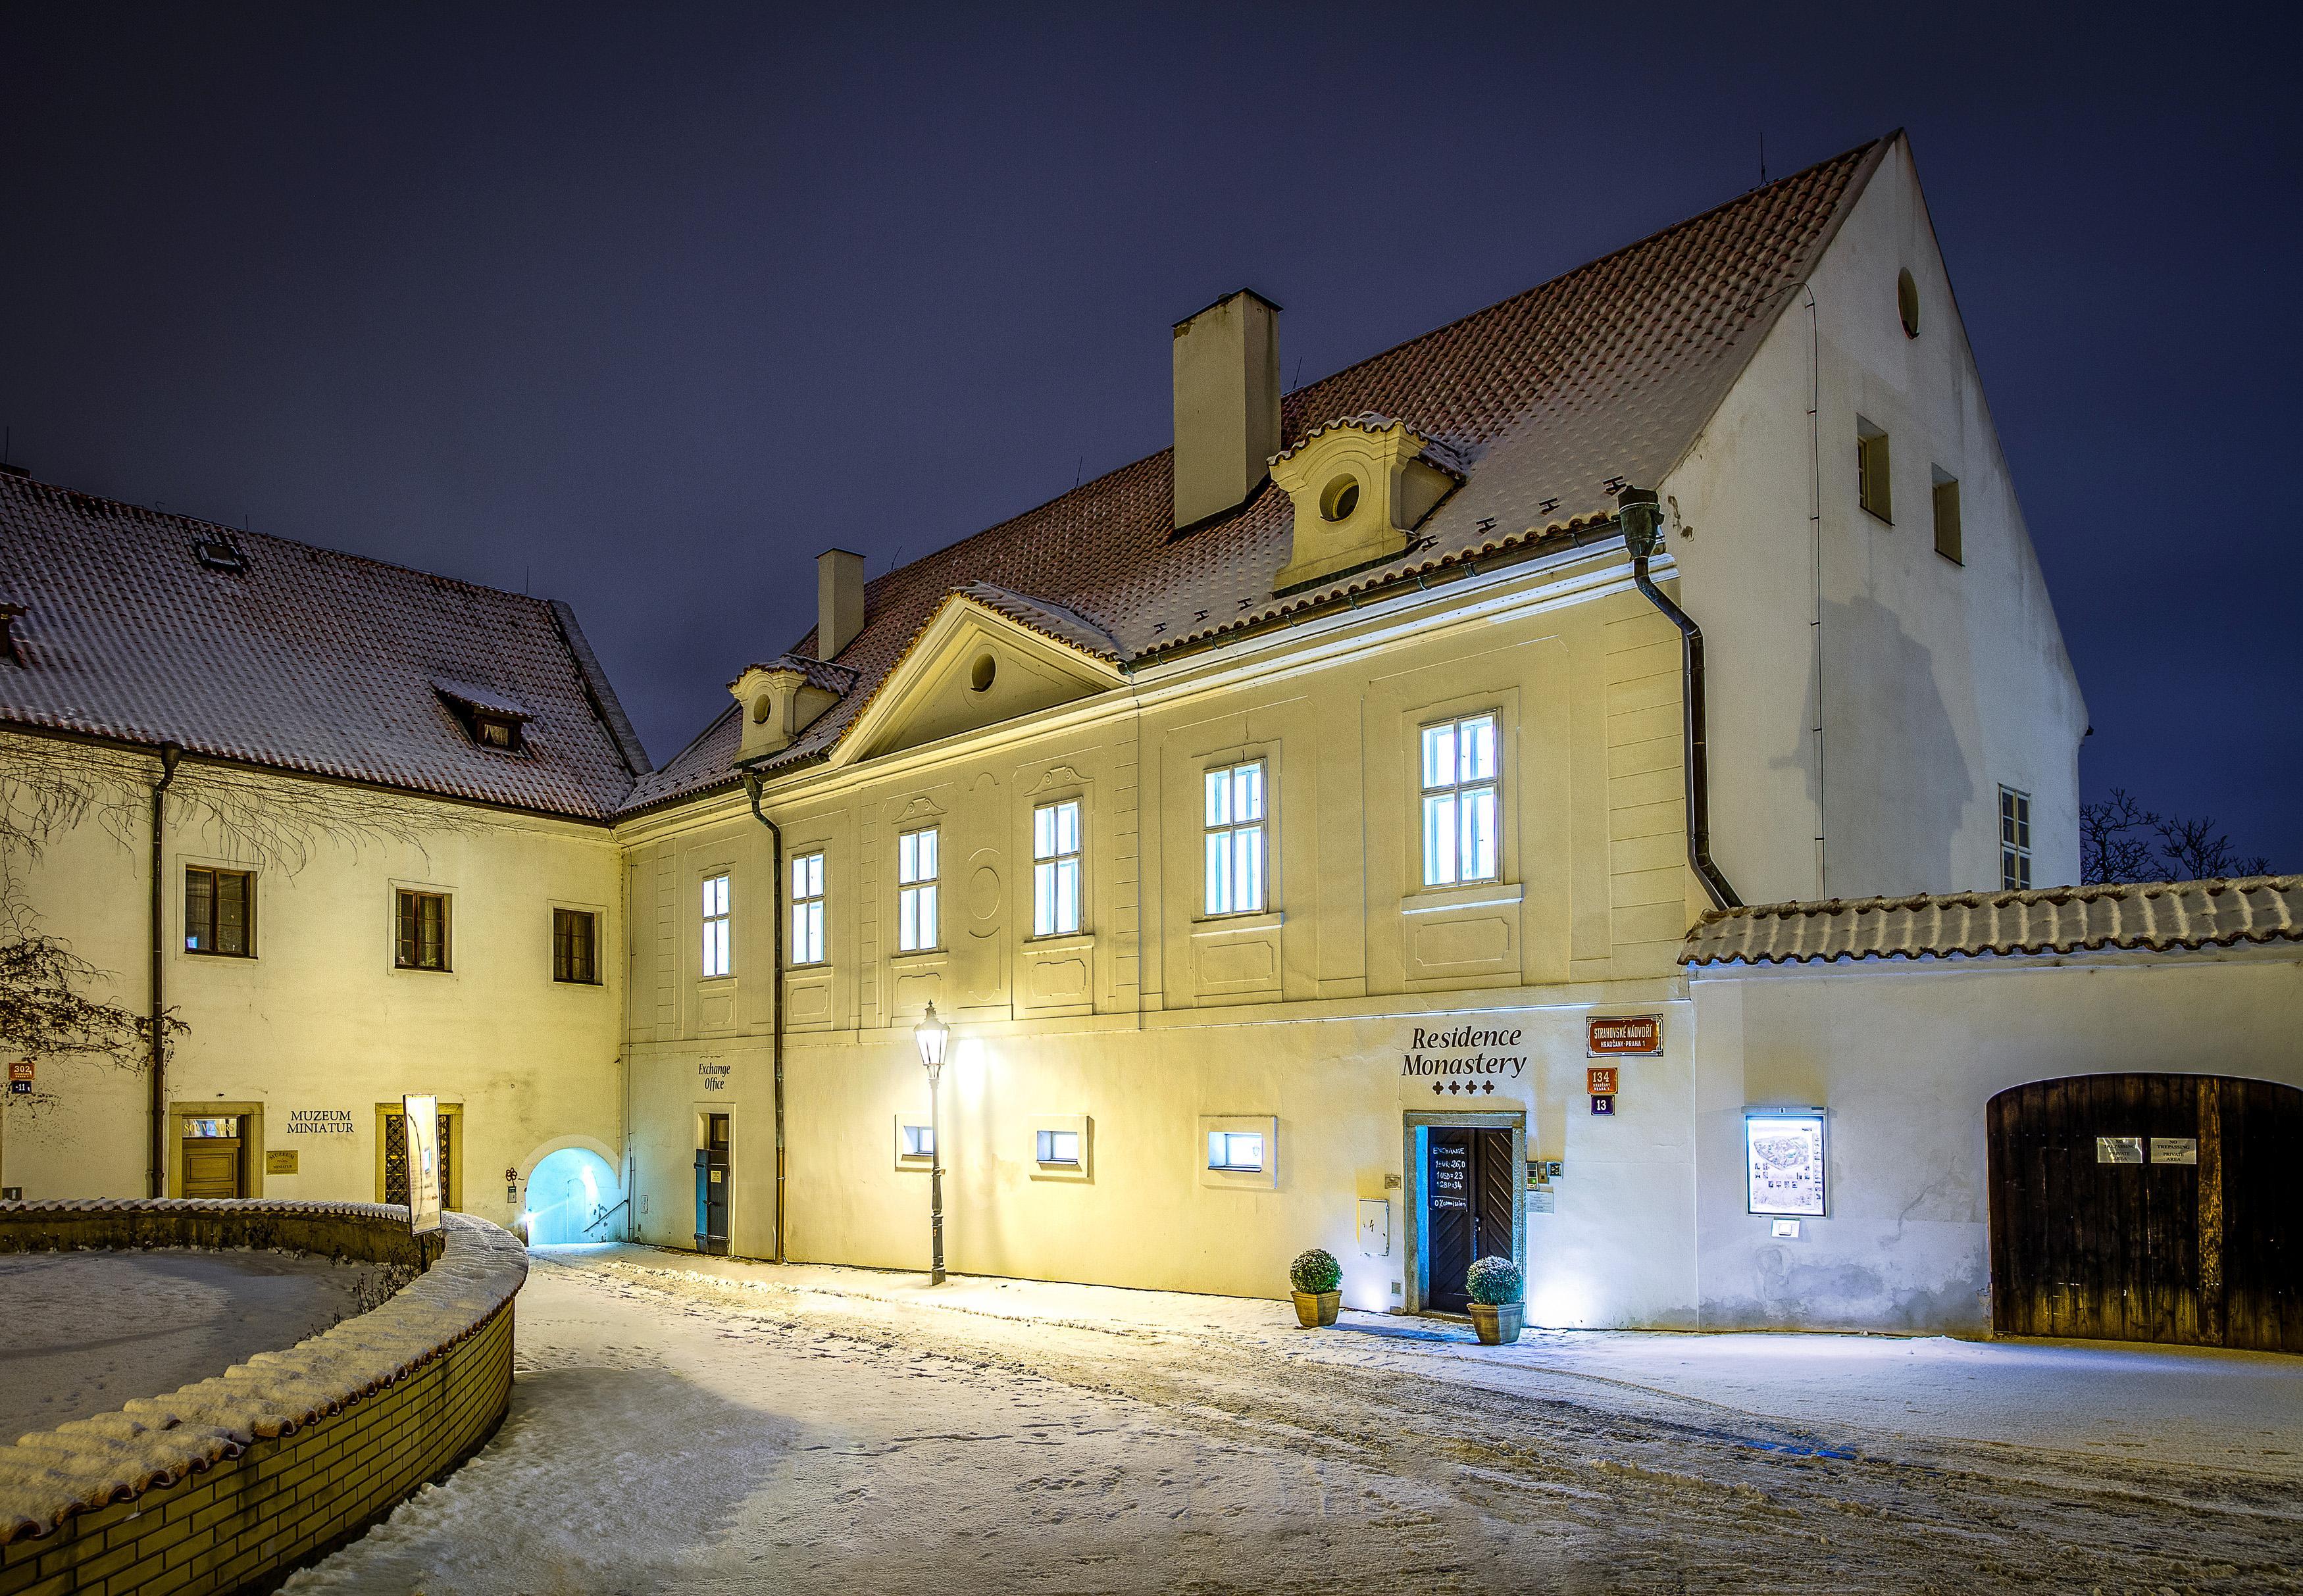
1785, 1162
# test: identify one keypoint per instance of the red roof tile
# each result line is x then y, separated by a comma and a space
302, 659
1607, 373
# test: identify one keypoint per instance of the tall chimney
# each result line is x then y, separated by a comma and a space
839, 600
1227, 404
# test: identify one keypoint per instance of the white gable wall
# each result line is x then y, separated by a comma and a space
1941, 681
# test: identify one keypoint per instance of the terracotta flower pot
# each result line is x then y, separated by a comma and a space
1498, 1324
1317, 1309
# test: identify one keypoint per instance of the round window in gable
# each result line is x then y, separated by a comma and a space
1907, 303
760, 708
980, 674
1340, 499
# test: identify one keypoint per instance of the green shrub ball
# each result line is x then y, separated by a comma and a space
1493, 1282
1316, 1272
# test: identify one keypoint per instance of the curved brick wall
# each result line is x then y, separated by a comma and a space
234, 1481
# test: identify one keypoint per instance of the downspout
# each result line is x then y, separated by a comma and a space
1637, 509
752, 785
157, 1151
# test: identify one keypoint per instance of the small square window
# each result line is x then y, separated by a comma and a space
1059, 1147
919, 1141
220, 912
1873, 486
1239, 1152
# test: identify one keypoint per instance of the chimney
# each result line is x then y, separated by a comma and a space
839, 600
1227, 404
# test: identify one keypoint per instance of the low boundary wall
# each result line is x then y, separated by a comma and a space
232, 1483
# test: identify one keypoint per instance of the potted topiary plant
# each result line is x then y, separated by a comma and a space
1496, 1312
1317, 1280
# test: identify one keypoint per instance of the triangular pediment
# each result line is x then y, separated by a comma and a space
986, 657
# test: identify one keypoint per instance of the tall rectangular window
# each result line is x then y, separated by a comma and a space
916, 891
1235, 839
575, 938
2014, 839
807, 909
719, 945
1947, 542
1055, 868
1460, 802
423, 941
1873, 490
220, 912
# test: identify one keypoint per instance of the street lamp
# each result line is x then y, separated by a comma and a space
933, 1037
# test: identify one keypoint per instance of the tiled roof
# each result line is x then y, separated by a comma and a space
1049, 621
815, 673
1544, 401
2159, 915
305, 659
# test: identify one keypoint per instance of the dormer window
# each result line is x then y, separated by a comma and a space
9, 615
491, 720
1362, 485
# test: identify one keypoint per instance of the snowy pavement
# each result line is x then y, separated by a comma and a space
706, 1426
82, 1332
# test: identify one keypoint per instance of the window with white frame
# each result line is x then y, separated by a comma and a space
807, 909
1059, 1147
1235, 839
1055, 868
1239, 1152
718, 946
916, 891
1459, 802
919, 1141
2014, 839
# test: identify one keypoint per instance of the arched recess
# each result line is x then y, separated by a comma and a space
572, 1194
2149, 1208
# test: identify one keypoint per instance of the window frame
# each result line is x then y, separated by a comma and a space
1875, 471
2014, 839
216, 874
1227, 1167
1067, 885
1223, 836
403, 897
808, 914
1046, 1152
1453, 790
591, 940
1952, 546
716, 924
919, 927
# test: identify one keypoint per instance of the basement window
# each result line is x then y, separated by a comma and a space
1873, 490
1059, 1147
1236, 1151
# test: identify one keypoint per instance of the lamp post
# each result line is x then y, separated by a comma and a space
934, 1035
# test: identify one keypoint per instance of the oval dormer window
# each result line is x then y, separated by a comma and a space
1340, 498
762, 707
980, 674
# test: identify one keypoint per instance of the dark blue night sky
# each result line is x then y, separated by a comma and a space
643, 309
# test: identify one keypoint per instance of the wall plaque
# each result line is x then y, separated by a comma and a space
2119, 1149
1608, 1035
280, 1164
2174, 1149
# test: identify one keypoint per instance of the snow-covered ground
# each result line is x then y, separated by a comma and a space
82, 1332
694, 1425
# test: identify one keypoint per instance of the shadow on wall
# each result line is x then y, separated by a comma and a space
1897, 784
572, 1196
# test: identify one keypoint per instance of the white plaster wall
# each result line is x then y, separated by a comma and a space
1940, 681
1904, 1057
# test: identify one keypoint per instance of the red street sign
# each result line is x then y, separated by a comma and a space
1605, 1036
1599, 1080
1603, 1105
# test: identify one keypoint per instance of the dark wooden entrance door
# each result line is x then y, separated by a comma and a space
2148, 1208
1469, 1193
712, 1186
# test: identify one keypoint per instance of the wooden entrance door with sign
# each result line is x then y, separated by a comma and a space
1471, 1195
215, 1158
712, 1186
2148, 1208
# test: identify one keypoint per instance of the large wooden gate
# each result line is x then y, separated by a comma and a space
2148, 1208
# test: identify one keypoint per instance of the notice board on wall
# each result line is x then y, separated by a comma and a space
423, 1117
1784, 1160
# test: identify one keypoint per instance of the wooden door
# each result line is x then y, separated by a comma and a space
2148, 1208
1470, 1194
212, 1161
712, 1181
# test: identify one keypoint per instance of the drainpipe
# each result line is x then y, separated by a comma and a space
1637, 509
752, 785
157, 1153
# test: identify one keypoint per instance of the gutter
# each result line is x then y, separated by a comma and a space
157, 1150
1639, 511
753, 784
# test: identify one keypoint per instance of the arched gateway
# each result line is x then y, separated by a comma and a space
2149, 1208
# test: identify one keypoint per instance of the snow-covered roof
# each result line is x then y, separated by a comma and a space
2156, 915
